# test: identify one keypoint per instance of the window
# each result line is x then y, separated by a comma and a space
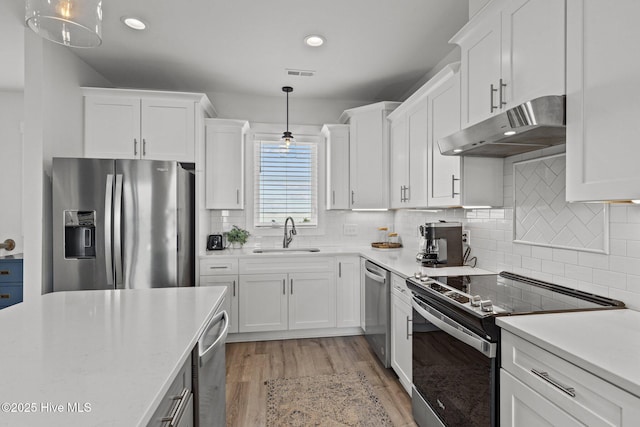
286, 183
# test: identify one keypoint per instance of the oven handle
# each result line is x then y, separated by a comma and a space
460, 333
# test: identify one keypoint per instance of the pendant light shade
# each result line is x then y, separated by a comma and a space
287, 136
73, 23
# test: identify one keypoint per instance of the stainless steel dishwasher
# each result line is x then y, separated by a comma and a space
377, 311
209, 372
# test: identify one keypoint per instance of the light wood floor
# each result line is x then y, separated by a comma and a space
250, 364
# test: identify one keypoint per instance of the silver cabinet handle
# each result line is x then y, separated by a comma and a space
545, 376
218, 267
284, 286
353, 201
135, 147
291, 286
453, 186
237, 196
502, 86
491, 92
144, 147
176, 414
339, 269
401, 193
408, 327
333, 197
234, 288
407, 193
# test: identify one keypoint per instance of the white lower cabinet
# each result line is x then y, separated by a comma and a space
312, 300
347, 291
230, 303
538, 388
401, 331
263, 303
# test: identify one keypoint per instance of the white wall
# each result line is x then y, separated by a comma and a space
273, 109
11, 112
616, 275
53, 127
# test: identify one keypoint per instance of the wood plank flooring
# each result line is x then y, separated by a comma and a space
250, 364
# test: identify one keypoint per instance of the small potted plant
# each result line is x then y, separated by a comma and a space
237, 237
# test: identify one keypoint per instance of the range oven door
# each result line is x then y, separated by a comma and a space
454, 371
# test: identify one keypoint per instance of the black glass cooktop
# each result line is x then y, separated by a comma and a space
507, 293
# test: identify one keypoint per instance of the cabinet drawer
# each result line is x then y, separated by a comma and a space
596, 402
10, 294
399, 288
211, 267
182, 384
10, 271
297, 264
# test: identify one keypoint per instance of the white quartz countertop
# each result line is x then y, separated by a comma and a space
116, 350
399, 261
606, 343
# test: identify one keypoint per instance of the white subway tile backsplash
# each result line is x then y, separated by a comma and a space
552, 267
521, 249
631, 299
633, 249
626, 231
579, 273
588, 259
618, 214
542, 252
611, 279
633, 214
565, 255
533, 264
617, 247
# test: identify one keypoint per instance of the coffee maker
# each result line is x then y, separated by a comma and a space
440, 244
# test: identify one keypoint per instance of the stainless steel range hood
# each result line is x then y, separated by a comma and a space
536, 124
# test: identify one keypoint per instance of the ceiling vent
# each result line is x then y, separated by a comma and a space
300, 73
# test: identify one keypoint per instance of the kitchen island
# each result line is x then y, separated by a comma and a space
99, 358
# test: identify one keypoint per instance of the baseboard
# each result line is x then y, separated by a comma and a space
297, 334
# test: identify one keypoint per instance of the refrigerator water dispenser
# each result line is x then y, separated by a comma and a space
79, 234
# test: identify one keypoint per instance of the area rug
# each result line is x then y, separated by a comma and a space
345, 399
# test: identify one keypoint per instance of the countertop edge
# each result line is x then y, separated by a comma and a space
146, 418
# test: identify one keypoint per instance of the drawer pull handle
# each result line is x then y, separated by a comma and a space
545, 376
5, 272
221, 267
5, 296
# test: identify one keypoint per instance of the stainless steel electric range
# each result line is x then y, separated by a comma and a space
456, 357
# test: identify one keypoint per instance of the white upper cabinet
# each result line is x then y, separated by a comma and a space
134, 124
602, 100
511, 52
224, 165
337, 142
456, 180
369, 155
408, 186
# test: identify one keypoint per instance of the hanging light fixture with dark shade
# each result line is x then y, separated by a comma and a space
287, 136
73, 23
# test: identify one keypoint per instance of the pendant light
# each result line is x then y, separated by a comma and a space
287, 136
73, 23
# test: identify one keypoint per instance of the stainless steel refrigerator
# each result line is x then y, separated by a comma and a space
122, 224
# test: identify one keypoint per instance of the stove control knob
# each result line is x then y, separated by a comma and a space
475, 301
486, 305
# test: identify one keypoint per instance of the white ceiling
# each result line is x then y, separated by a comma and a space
375, 49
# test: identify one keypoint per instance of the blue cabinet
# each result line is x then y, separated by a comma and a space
10, 280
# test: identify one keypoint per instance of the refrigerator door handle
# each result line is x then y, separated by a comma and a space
108, 210
117, 231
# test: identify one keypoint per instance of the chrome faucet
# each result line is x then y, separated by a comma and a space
288, 238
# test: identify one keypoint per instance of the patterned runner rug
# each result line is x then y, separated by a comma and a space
345, 399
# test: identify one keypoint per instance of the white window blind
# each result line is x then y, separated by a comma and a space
286, 183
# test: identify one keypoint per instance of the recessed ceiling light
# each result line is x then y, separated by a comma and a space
134, 23
314, 40
457, 150
510, 132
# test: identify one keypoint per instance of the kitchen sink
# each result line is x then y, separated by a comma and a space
284, 250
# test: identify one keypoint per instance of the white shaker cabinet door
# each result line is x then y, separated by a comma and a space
533, 50
168, 130
401, 340
348, 291
263, 302
112, 127
416, 193
312, 300
224, 164
602, 100
399, 165
337, 140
